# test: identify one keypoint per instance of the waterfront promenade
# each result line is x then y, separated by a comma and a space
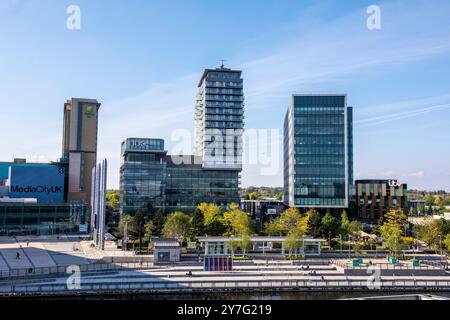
44, 268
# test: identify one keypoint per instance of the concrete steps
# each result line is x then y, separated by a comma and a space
3, 265
10, 257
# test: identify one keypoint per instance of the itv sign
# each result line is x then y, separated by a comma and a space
42, 182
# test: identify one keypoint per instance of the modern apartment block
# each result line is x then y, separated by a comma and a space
318, 152
80, 146
374, 198
219, 119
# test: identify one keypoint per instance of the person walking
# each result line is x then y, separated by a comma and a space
17, 256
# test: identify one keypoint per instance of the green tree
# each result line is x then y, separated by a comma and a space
197, 224
279, 196
159, 219
290, 221
314, 223
254, 196
444, 226
149, 230
432, 233
210, 212
177, 226
140, 221
127, 224
237, 222
213, 217
396, 218
215, 227
447, 242
245, 244
392, 231
112, 196
232, 246
429, 199
355, 228
330, 226
293, 242
345, 225
272, 228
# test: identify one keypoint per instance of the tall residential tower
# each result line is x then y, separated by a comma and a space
220, 119
318, 152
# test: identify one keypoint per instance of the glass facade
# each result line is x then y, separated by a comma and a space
220, 119
142, 176
151, 180
35, 219
318, 151
188, 185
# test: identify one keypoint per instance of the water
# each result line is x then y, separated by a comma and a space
303, 296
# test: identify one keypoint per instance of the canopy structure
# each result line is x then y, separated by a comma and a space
220, 245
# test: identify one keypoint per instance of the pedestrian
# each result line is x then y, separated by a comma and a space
17, 256
28, 244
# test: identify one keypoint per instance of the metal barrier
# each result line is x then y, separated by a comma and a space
388, 266
224, 285
93, 267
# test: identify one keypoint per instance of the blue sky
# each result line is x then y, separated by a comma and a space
142, 60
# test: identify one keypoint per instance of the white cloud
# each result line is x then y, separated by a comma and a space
418, 175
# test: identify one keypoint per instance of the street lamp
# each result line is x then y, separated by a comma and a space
349, 246
329, 240
126, 235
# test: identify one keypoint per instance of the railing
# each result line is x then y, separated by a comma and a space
93, 267
227, 285
389, 266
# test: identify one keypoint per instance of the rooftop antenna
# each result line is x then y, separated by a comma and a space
222, 65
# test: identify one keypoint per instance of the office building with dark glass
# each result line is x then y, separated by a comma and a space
142, 175
318, 152
151, 180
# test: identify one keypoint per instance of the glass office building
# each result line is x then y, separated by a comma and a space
152, 180
43, 219
142, 175
318, 152
188, 185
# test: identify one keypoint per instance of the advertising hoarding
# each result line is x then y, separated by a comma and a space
44, 183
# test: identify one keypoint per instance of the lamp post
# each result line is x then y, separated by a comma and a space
126, 235
329, 240
349, 247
